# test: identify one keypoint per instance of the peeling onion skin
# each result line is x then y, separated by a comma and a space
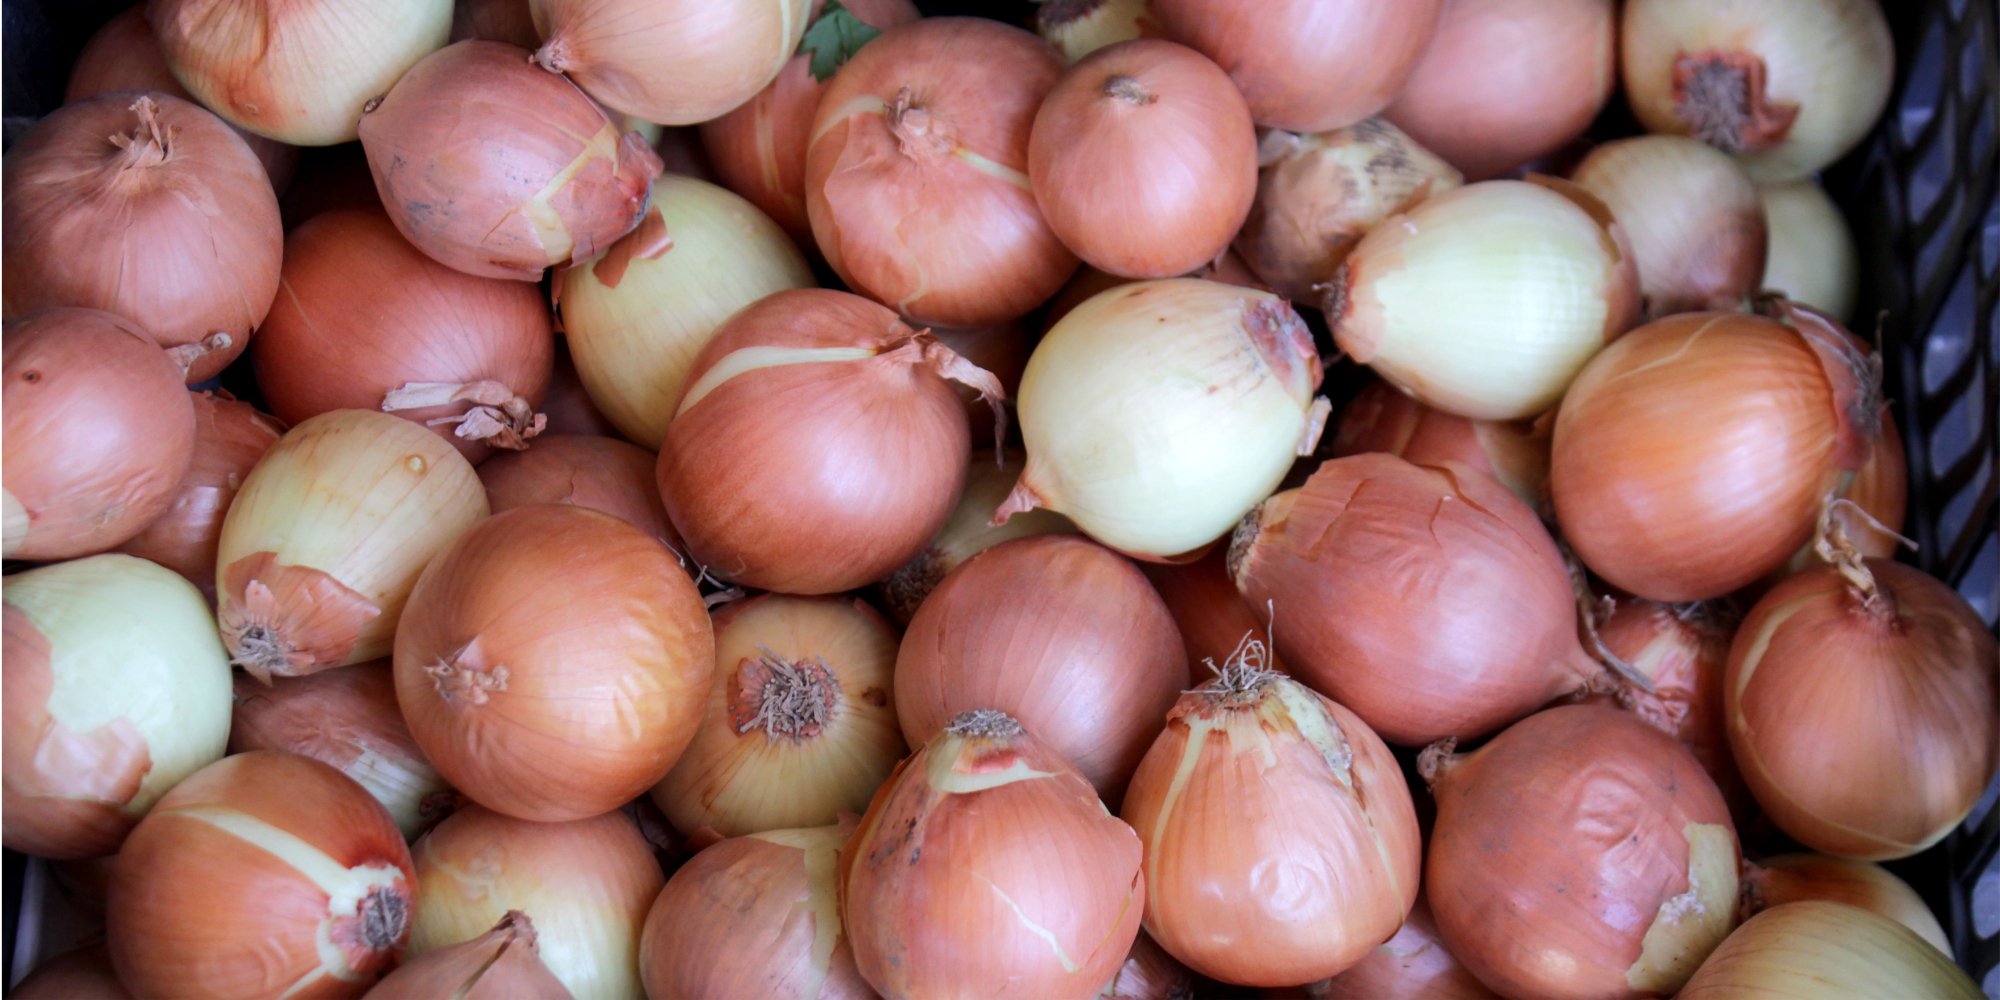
83, 974
1002, 349
1381, 418
1211, 614
969, 532
501, 964
1812, 257
600, 473
675, 62
229, 437
1827, 951
1696, 224
1791, 878
1616, 883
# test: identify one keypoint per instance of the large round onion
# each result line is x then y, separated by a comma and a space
969, 532
116, 689
229, 437
600, 473
1692, 214
1811, 257
1791, 878
1381, 418
501, 963
1827, 951
675, 62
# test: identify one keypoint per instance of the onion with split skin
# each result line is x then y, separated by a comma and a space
675, 62
969, 532
1792, 878
1827, 951
229, 438
501, 964
1079, 27
1811, 257
1692, 214
1381, 418
599, 473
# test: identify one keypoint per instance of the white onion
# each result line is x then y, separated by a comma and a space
1811, 257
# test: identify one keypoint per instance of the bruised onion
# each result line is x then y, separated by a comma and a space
229, 437
1380, 418
1791, 878
83, 974
1079, 27
1413, 965
969, 532
502, 963
1212, 617
1811, 256
600, 473
675, 62
1827, 951
1692, 214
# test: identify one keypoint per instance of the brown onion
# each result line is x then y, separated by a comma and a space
1380, 418
1212, 616
509, 21
1827, 951
229, 437
1811, 256
969, 532
1413, 965
1791, 878
1692, 214
501, 964
675, 62
83, 974
1079, 27
600, 473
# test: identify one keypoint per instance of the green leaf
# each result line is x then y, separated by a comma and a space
833, 39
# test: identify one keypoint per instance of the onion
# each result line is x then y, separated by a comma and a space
299, 73
1615, 881
1319, 193
1790, 878
1413, 965
596, 472
1088, 281
675, 62
1827, 951
1692, 214
1149, 973
147, 206
364, 321
116, 689
1487, 300
1812, 257
587, 884
500, 170
568, 404
1692, 456
986, 866
507, 21
262, 874
638, 315
500, 963
83, 974
1509, 81
1379, 418
1789, 86
1307, 65
969, 532
512, 709
1157, 413
1212, 617
818, 445
1079, 27
797, 727
1281, 843
229, 437
1062, 634
916, 173
322, 544
1144, 159
1002, 349
99, 433
1873, 504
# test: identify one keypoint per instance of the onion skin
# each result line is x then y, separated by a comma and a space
600, 473
1791, 878
1079, 27
957, 144
1881, 488
501, 964
1827, 951
1212, 616
99, 433
717, 55
1380, 418
969, 532
1003, 350
83, 974
1228, 269
1413, 965
1149, 973
508, 21
229, 437
1811, 257
1616, 884
1692, 214
568, 404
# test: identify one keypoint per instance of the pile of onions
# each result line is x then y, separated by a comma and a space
505, 701
501, 962
599, 473
1692, 214
1058, 632
1212, 616
1864, 707
300, 73
1307, 65
969, 532
587, 883
1079, 27
916, 172
116, 689
1694, 455
500, 170
510, 21
260, 875
1509, 81
1380, 418
99, 431
637, 316
147, 206
987, 866
1827, 951
819, 444
1281, 842
1811, 256
798, 726
675, 62
365, 321
1319, 193
1790, 878
1487, 300
1789, 86
84, 974
1581, 853
1157, 413
1002, 349
322, 544
229, 437
1144, 159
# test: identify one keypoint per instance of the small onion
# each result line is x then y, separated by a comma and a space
229, 437
1692, 214
1149, 973
969, 532
600, 473
509, 21
1003, 350
1212, 616
1791, 878
1413, 965
675, 62
1380, 418
499, 965
1812, 257
1079, 27
83, 974
1827, 951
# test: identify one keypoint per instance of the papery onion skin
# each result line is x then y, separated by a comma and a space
1616, 883
1791, 878
99, 432
1079, 27
1413, 965
500, 170
229, 437
509, 21
1811, 257
1003, 350
83, 974
1692, 214
1212, 616
501, 964
1380, 418
937, 114
969, 532
600, 473
1827, 951
675, 62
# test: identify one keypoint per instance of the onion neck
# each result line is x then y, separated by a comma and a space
788, 699
462, 683
1833, 545
149, 144
554, 55
1126, 89
1720, 97
919, 133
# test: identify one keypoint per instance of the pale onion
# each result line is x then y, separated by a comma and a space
1791, 878
1581, 853
600, 473
1509, 81
1812, 257
568, 404
636, 317
1212, 616
1789, 86
1827, 951
1157, 413
798, 726
504, 699
500, 170
1079, 27
364, 321
1088, 281
987, 866
969, 532
83, 974
502, 964
1307, 65
1002, 349
116, 689
1487, 300
1413, 965
1319, 193
916, 173
1381, 418
261, 875
301, 72
587, 884
1281, 842
507, 21
322, 544
1149, 973
675, 62
229, 437
1058, 632
753, 916
1692, 214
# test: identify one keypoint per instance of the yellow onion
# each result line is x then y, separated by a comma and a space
1213, 617
1319, 193
1827, 951
675, 62
600, 473
1692, 214
116, 689
1380, 418
1281, 842
501, 964
1580, 853
969, 532
987, 866
637, 315
325, 539
507, 21
753, 916
1812, 257
83, 974
798, 726
229, 437
1157, 413
1413, 965
300, 72
500, 170
1079, 27
586, 883
1487, 300
1791, 878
